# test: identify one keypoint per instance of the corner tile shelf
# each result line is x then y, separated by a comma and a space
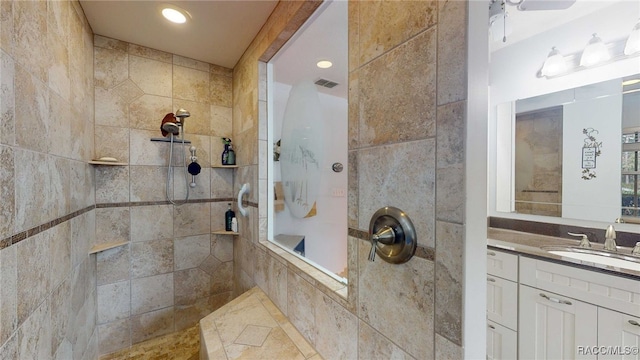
106, 246
224, 232
224, 166
107, 163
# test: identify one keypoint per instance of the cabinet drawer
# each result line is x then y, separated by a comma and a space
502, 343
502, 301
502, 264
609, 291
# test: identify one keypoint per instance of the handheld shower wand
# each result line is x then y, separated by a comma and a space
173, 130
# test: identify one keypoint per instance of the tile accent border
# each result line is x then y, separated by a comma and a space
560, 230
422, 252
23, 235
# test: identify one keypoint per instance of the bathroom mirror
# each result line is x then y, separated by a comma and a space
307, 127
558, 147
574, 152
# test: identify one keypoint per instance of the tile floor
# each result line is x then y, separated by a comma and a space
183, 345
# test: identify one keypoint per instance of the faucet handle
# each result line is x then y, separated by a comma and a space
610, 239
636, 249
584, 242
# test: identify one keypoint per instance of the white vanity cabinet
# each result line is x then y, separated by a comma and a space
554, 324
502, 305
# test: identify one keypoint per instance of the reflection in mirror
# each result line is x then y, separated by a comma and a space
556, 144
567, 151
308, 129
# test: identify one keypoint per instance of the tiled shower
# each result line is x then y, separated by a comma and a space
69, 96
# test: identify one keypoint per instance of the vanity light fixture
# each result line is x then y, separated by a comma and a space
174, 14
595, 52
633, 42
324, 64
555, 64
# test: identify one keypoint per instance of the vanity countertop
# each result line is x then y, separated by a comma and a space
530, 244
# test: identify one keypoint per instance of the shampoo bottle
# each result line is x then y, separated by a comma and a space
228, 216
225, 155
231, 156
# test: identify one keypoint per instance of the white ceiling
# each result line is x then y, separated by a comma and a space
218, 32
529, 23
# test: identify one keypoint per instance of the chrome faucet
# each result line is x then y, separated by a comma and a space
610, 239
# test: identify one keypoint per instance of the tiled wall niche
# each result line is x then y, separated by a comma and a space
407, 116
47, 278
174, 270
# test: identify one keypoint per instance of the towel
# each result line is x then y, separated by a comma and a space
167, 118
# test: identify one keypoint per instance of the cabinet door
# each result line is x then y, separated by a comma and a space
618, 335
502, 264
553, 327
501, 342
502, 302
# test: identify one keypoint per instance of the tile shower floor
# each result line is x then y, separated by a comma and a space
183, 345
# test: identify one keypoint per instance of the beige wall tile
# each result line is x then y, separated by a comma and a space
150, 258
385, 173
148, 183
7, 191
8, 293
191, 285
222, 279
112, 142
450, 239
32, 181
114, 301
397, 93
191, 251
60, 314
35, 334
60, 193
190, 63
146, 152
222, 247
58, 71
191, 219
82, 236
151, 293
372, 345
221, 183
7, 100
113, 225
149, 53
220, 89
111, 67
110, 108
151, 222
33, 273
112, 184
301, 305
30, 40
152, 76
446, 350
190, 84
60, 253
335, 327
152, 324
452, 50
413, 310
200, 119
450, 194
147, 112
6, 26
114, 336
385, 24
113, 265
32, 114
221, 121
59, 134
109, 43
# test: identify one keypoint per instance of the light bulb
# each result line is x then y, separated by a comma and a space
174, 15
595, 52
555, 63
633, 42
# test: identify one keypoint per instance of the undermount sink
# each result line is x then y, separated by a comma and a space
603, 257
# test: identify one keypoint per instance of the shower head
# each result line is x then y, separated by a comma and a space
182, 113
171, 128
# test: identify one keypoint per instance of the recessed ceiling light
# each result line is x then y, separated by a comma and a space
324, 64
174, 15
